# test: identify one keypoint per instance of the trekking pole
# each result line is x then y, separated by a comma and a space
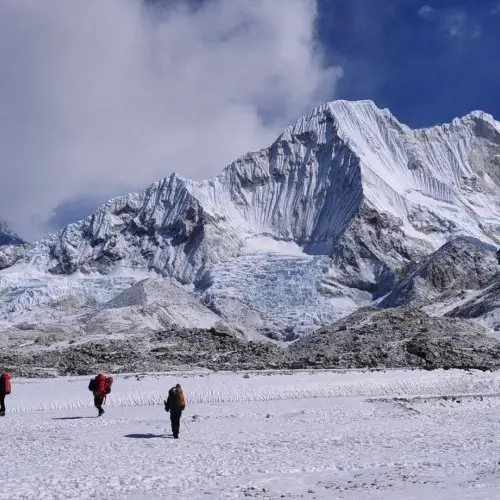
185, 425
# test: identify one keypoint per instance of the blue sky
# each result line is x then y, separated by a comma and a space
100, 98
427, 62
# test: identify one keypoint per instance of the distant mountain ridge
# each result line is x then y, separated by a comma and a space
9, 237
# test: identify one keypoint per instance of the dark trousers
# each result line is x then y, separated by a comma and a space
2, 404
98, 403
175, 420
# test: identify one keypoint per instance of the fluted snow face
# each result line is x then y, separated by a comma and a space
442, 181
304, 188
347, 181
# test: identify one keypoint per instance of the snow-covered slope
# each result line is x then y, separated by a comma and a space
322, 221
155, 304
83, 309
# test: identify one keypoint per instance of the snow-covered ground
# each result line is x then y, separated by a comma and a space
324, 435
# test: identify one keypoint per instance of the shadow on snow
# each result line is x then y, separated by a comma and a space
147, 436
70, 418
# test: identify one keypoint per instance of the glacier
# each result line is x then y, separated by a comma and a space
325, 220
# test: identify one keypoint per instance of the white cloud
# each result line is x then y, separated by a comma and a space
454, 22
476, 31
104, 96
425, 11
495, 9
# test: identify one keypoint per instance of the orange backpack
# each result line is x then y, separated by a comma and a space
179, 398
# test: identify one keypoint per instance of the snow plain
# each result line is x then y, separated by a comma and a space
322, 435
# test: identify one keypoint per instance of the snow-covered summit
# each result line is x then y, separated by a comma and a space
347, 182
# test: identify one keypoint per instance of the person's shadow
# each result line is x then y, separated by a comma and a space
69, 418
148, 436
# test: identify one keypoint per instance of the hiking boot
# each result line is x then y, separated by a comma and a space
176, 436
2, 413
101, 412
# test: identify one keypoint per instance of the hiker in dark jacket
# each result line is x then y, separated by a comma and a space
175, 404
100, 386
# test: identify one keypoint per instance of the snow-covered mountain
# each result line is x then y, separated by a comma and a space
326, 219
7, 236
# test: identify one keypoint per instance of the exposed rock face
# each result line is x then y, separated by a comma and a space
10, 255
11, 247
461, 264
398, 338
483, 306
171, 349
369, 339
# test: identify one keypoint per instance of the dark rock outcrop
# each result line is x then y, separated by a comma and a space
397, 338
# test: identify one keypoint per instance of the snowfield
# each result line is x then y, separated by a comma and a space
324, 435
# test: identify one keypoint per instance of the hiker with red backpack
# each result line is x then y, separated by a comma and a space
5, 389
100, 386
175, 404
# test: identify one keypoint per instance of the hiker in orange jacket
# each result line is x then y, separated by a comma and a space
175, 404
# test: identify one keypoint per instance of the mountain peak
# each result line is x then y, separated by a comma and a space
339, 112
9, 237
479, 115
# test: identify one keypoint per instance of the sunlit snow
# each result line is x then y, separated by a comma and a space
354, 436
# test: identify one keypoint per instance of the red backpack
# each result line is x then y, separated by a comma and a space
100, 386
107, 384
5, 387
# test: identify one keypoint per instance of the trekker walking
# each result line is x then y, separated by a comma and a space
175, 404
100, 386
5, 389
